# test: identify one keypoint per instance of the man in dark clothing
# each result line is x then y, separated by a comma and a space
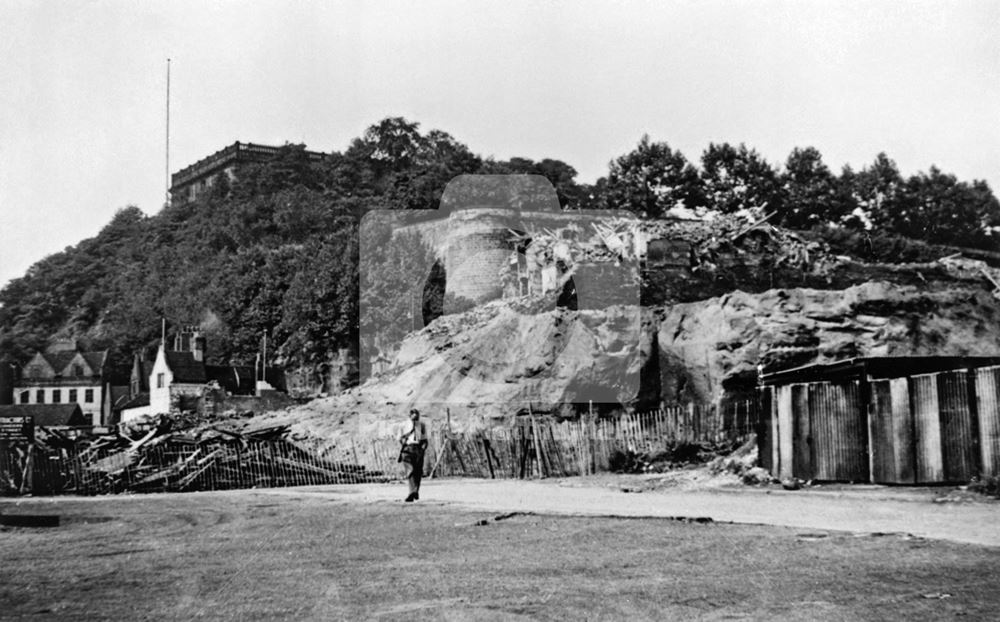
414, 441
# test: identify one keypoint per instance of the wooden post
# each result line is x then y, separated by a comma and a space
26, 473
354, 450
538, 449
489, 460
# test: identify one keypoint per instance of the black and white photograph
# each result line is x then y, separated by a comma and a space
527, 310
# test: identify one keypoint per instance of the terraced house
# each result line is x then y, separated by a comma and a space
63, 374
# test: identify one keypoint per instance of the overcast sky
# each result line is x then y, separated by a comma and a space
82, 88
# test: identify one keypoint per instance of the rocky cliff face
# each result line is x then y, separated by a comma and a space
499, 359
718, 343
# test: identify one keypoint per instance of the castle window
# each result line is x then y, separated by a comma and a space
88, 395
40, 396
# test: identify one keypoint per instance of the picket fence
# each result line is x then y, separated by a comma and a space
535, 446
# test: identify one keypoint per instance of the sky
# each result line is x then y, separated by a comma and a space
83, 88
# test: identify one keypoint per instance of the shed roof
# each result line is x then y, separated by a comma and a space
876, 367
119, 394
236, 379
47, 414
140, 400
185, 368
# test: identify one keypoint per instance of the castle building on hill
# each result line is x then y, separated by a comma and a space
190, 182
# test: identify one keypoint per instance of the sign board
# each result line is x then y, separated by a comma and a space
17, 429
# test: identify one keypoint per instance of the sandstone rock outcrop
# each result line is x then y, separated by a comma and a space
496, 360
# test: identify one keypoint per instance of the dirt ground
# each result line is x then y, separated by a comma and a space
357, 552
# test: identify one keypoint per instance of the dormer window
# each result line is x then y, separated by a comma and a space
77, 370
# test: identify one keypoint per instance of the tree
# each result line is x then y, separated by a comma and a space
320, 307
938, 208
812, 194
738, 178
562, 176
876, 191
651, 179
393, 143
408, 169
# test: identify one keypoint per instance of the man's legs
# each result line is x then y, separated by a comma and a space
414, 459
416, 474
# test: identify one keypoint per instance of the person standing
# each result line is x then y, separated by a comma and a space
414, 443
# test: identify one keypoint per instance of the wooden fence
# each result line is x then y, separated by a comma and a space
534, 447
542, 447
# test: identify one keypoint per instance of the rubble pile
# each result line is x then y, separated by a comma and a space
175, 454
546, 258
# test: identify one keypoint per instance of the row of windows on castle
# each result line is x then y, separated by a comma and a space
56, 396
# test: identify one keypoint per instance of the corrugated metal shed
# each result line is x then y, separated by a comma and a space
913, 420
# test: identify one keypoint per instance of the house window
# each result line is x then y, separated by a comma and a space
25, 397
88, 395
77, 370
56, 396
160, 381
72, 395
40, 396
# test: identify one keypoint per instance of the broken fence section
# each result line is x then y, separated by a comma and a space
175, 465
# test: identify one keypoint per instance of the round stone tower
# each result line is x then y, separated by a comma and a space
479, 247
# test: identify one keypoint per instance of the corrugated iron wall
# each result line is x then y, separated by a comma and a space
958, 440
783, 430
988, 402
765, 434
927, 429
891, 429
839, 443
802, 445
816, 431
923, 430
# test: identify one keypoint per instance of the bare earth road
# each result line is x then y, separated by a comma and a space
504, 550
859, 510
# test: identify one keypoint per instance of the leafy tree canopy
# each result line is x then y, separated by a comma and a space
275, 250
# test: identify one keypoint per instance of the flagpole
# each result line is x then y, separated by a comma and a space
167, 191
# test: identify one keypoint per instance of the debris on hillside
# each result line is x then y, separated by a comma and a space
545, 259
964, 267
